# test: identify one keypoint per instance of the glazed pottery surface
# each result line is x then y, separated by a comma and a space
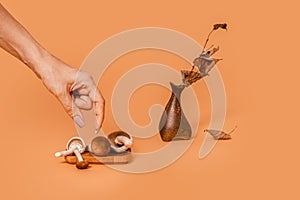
173, 123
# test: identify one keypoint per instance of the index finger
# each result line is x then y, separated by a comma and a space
99, 103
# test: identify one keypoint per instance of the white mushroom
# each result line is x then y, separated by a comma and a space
77, 146
120, 141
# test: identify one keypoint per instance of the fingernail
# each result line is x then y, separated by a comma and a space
78, 121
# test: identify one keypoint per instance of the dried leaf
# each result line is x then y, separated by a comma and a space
189, 77
208, 68
220, 135
217, 26
205, 64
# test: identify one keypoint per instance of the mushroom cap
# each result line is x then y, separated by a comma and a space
76, 141
82, 165
112, 137
100, 146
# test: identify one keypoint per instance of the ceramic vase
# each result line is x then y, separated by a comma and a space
173, 123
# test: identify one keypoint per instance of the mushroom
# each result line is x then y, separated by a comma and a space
77, 146
100, 146
120, 141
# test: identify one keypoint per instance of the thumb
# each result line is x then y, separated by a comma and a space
71, 108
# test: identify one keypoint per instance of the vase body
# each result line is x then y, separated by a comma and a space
173, 123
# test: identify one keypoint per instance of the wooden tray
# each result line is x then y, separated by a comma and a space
112, 158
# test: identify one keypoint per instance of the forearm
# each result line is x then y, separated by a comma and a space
58, 77
17, 41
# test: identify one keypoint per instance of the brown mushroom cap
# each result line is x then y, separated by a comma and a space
82, 165
112, 136
100, 146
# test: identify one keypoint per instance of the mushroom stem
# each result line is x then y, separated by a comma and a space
78, 155
123, 140
66, 152
119, 149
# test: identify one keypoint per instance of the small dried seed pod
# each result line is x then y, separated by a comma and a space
100, 146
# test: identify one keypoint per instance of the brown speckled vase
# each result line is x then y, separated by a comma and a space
173, 123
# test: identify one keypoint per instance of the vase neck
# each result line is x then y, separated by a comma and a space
177, 90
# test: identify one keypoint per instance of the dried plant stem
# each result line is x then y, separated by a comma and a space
206, 41
203, 62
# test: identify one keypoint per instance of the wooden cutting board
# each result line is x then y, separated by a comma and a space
112, 158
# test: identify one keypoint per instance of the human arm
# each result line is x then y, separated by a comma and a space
75, 89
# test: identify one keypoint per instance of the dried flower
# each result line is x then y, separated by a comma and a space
223, 26
189, 77
204, 62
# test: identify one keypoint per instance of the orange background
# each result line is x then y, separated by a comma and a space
259, 70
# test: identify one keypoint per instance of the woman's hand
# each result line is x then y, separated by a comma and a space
75, 89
